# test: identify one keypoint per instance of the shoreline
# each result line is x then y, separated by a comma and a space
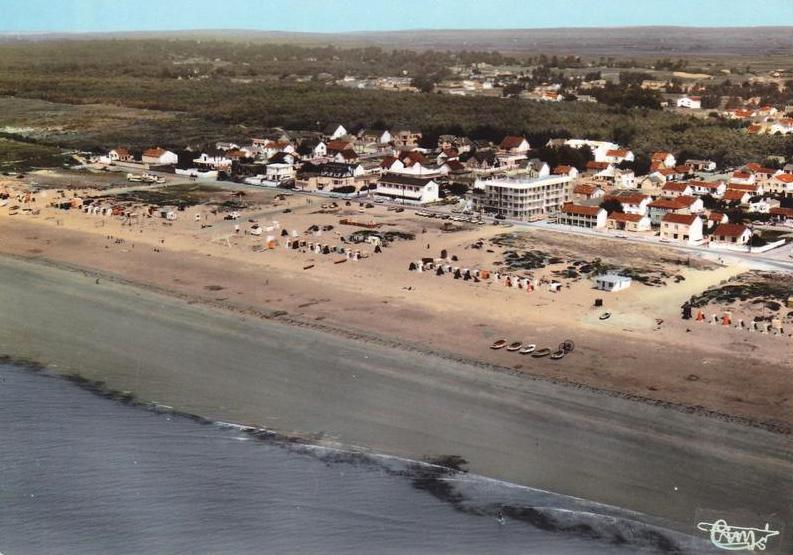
340, 392
282, 317
597, 521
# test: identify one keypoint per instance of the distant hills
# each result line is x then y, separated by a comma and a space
640, 42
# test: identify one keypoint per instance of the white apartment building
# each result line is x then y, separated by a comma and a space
522, 198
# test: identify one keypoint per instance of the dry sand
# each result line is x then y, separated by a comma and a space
710, 367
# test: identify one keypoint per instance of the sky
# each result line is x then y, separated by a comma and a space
379, 15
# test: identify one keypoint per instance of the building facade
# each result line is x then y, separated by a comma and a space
522, 199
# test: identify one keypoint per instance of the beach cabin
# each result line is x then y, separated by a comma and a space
612, 282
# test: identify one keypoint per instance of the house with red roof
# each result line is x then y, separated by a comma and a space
514, 145
731, 234
713, 188
660, 207
570, 171
586, 191
682, 228
736, 196
674, 189
580, 215
159, 157
618, 155
665, 159
631, 202
629, 222
780, 184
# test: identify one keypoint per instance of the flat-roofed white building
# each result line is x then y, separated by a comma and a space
612, 282
407, 189
522, 198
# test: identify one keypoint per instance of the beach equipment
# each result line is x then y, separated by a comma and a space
700, 316
499, 344
528, 349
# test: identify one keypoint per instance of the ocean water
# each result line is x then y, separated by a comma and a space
83, 473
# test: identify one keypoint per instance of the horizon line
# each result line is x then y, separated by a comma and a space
386, 31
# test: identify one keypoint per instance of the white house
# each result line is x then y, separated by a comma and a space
731, 234
570, 171
665, 159
674, 189
712, 188
579, 215
514, 145
599, 149
407, 189
691, 102
279, 172
612, 282
701, 165
618, 155
335, 132
120, 154
214, 161
632, 203
159, 157
685, 228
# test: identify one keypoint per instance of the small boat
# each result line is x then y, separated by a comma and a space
557, 355
605, 316
541, 353
528, 349
514, 346
500, 344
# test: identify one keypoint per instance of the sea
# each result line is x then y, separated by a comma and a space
83, 471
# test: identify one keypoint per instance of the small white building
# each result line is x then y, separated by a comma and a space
407, 189
279, 172
690, 102
612, 282
159, 157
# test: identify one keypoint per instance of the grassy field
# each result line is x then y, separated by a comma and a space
23, 156
143, 93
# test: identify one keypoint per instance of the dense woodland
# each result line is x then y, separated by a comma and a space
237, 83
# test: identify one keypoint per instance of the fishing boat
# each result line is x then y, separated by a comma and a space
605, 316
557, 355
541, 353
500, 344
514, 346
528, 349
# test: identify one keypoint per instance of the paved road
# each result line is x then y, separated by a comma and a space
572, 441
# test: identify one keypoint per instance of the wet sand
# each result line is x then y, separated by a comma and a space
336, 391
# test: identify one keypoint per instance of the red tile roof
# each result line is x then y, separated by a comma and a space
685, 219
510, 142
154, 152
584, 189
729, 230
580, 210
617, 153
734, 194
784, 177
666, 204
562, 170
623, 217
781, 211
716, 216
677, 187
686, 200
599, 166
748, 187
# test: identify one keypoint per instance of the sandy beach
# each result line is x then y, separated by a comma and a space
335, 391
679, 363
